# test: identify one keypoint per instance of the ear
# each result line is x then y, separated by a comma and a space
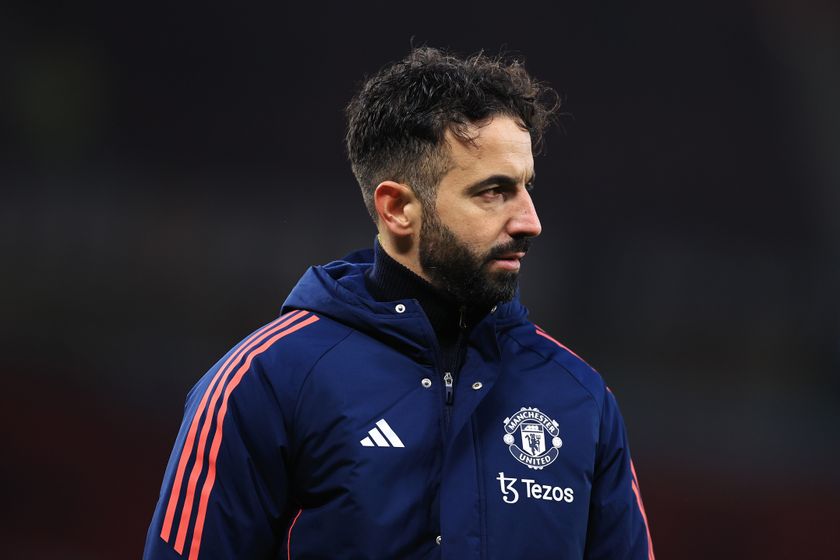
398, 208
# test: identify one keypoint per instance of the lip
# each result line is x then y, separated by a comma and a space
506, 264
510, 256
508, 261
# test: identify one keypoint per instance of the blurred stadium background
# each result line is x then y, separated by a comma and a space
168, 172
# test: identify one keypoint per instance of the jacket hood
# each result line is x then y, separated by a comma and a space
337, 290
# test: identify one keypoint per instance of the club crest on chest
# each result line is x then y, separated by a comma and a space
532, 438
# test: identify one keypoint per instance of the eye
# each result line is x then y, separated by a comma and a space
529, 186
492, 193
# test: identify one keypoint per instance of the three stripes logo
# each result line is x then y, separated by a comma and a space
382, 436
189, 498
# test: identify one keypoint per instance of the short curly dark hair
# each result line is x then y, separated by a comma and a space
398, 119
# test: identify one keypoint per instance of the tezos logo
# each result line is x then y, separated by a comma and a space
532, 425
533, 490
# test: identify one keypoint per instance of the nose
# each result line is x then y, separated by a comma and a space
524, 222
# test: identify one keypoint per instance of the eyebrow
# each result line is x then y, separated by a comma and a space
500, 180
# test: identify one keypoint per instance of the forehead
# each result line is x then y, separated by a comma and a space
500, 146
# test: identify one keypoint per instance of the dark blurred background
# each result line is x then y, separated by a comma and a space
168, 172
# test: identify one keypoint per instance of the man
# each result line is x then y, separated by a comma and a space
403, 406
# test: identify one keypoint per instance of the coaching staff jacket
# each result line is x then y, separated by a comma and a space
336, 432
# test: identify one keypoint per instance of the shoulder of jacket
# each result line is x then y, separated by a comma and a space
534, 338
276, 357
296, 340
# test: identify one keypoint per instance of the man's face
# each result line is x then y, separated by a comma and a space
471, 245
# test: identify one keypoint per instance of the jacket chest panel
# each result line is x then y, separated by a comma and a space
368, 447
537, 432
372, 456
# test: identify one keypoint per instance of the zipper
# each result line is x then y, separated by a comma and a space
449, 376
450, 390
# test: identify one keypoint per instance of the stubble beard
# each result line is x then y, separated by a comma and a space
452, 266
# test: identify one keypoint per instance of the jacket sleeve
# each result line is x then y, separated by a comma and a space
224, 493
618, 527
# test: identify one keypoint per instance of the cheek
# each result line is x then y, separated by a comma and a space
476, 234
472, 226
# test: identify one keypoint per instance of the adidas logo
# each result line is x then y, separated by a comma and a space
384, 436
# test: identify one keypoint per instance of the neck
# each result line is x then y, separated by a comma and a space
404, 252
389, 280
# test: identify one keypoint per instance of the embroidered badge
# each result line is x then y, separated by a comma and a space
533, 429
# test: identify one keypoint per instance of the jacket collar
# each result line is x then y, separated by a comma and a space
388, 280
338, 290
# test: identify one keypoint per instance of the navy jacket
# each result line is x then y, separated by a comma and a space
327, 434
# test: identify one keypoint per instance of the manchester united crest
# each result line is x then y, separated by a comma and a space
532, 438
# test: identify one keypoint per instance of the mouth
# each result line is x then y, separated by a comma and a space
511, 256
508, 261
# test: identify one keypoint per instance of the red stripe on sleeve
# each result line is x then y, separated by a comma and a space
544, 334
289, 541
198, 466
207, 488
186, 452
641, 504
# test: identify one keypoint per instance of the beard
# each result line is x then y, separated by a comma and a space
454, 267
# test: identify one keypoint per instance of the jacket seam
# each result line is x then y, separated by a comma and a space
568, 372
308, 374
598, 449
482, 489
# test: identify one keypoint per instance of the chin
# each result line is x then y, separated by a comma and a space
500, 287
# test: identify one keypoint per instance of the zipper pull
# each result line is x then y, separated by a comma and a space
447, 381
462, 323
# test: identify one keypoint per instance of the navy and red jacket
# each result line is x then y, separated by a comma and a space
334, 432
